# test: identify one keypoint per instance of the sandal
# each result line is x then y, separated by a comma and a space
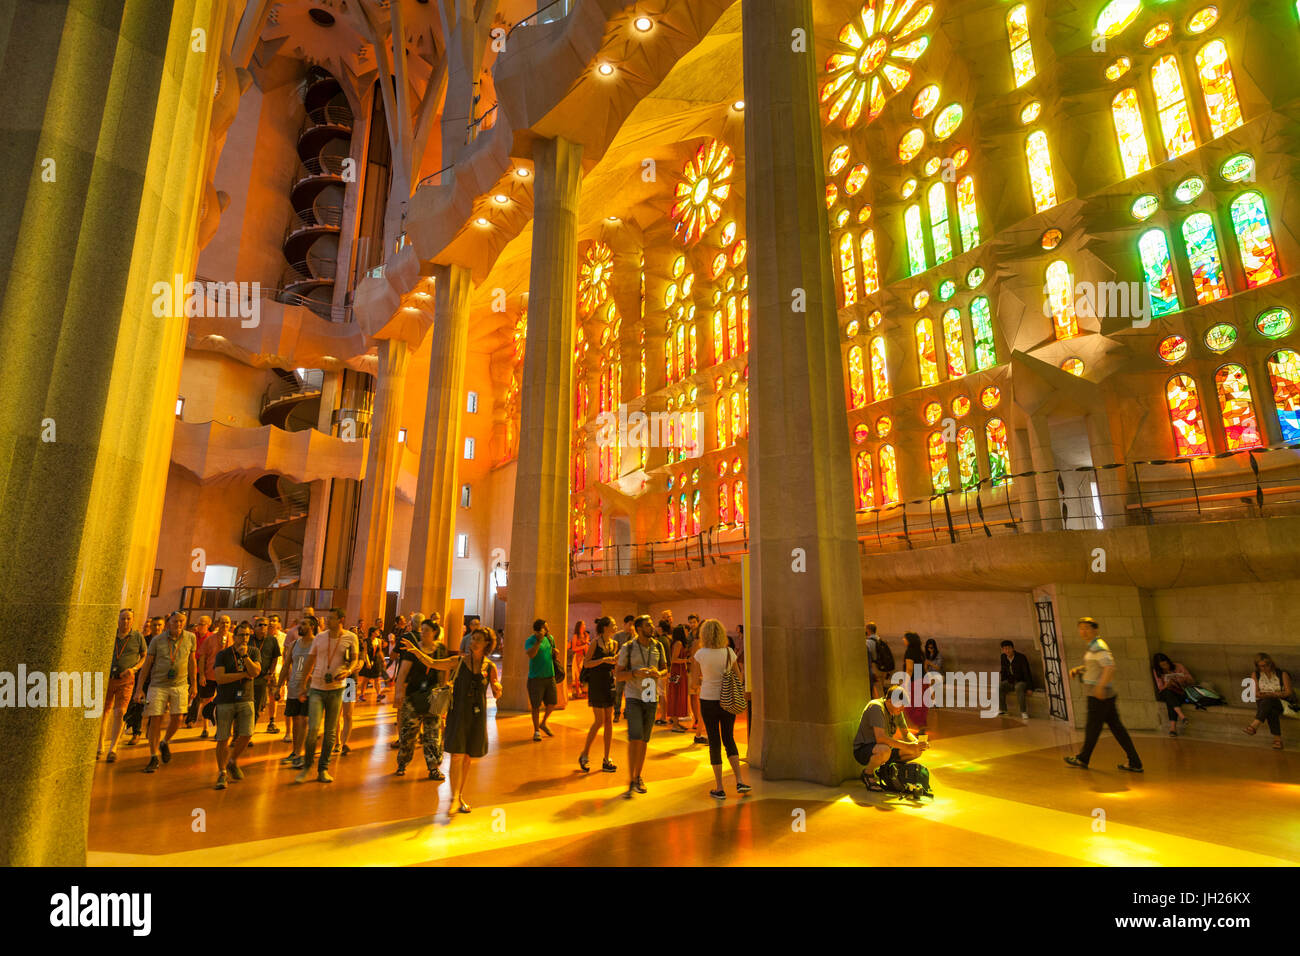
1248, 730
874, 785
1277, 744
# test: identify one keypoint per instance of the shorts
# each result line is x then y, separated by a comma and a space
862, 754
162, 697
640, 717
240, 714
119, 694
541, 690
293, 707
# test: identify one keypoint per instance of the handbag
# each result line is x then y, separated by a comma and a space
732, 694
555, 662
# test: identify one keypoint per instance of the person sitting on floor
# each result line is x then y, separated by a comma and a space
883, 736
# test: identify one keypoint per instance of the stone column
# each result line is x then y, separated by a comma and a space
538, 585
106, 147
433, 526
1046, 489
1112, 483
810, 670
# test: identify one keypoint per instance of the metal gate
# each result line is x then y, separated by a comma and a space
1053, 666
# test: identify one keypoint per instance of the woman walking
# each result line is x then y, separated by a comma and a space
599, 665
577, 654
711, 661
373, 671
416, 717
679, 707
1172, 681
467, 719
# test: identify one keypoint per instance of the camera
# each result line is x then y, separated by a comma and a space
329, 678
114, 672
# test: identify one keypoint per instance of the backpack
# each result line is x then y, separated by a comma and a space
908, 779
884, 656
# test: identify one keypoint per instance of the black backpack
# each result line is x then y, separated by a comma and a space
884, 656
909, 779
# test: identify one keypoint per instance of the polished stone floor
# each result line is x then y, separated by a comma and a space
1003, 798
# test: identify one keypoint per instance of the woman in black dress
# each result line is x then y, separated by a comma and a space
372, 651
599, 664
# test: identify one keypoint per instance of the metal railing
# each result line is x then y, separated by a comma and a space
327, 116
484, 122
289, 297
428, 180
298, 273
1159, 491
327, 217
309, 383
200, 600
266, 514
332, 166
268, 574
546, 14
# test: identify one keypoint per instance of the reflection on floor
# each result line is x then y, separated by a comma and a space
1003, 797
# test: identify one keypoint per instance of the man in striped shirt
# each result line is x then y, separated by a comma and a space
1097, 671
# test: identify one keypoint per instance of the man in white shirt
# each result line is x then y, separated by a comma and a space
334, 657
641, 664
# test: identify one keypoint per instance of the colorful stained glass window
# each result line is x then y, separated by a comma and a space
954, 345
960, 406
1240, 427
1185, 416
1116, 17
744, 323
1041, 181
695, 512
864, 213
1221, 337
981, 324
1118, 68
1175, 121
1172, 349
1050, 239
975, 278
738, 253
720, 423
1132, 137
861, 433
925, 352
841, 217
925, 101
995, 436
870, 60
946, 123
990, 395
855, 179
672, 519
1203, 254
1074, 366
1220, 92
839, 159
857, 378
1158, 34
939, 229
931, 413
864, 480
1237, 168
910, 144
921, 299
719, 263
1202, 20
848, 271
738, 426
889, 493
1031, 112
967, 216
1189, 189
947, 289
915, 240
1255, 240
1022, 51
724, 504
938, 455
832, 195
733, 328
1284, 376
870, 271
1158, 268
884, 425
719, 342
879, 371
704, 187
1144, 207
694, 354
1060, 297
967, 457
1274, 323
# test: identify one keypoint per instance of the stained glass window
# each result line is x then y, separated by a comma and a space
981, 323
870, 272
995, 435
683, 516
720, 422
954, 344
1203, 255
946, 123
889, 494
1284, 375
738, 428
1158, 268
967, 215
938, 454
738, 501
1041, 180
1185, 416
724, 504
1172, 349
719, 340
839, 159
733, 328
939, 228
1132, 137
879, 371
1060, 296
744, 320
694, 353
1216, 85
1255, 239
864, 480
857, 378
1240, 427
1022, 52
990, 396
1116, 17
672, 519
915, 240
1175, 121
848, 271
1274, 323
967, 457
925, 354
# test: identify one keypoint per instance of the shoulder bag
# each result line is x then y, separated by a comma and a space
555, 662
732, 695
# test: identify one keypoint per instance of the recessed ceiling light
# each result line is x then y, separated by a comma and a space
738, 105
501, 198
611, 219
481, 221
643, 24
605, 69
521, 173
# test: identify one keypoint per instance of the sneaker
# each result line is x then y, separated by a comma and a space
111, 758
166, 752
583, 763
152, 765
287, 761
272, 729
743, 788
537, 735
221, 782
1024, 716
1130, 768
346, 750
436, 774
718, 794
547, 730
701, 740
233, 769
303, 776
324, 777
640, 785
1076, 762
298, 763
607, 765
204, 735
1173, 733
401, 770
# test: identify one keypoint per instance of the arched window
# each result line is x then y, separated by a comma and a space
669, 359
879, 371
1158, 268
1284, 375
1041, 181
995, 436
737, 417
738, 501
981, 324
744, 323
870, 271
1175, 121
720, 423
925, 355
939, 229
600, 529
1022, 52
857, 378
937, 449
967, 216
641, 337
848, 271
1218, 88
1132, 137
1185, 416
1060, 295
864, 480
672, 519
695, 512
579, 528
1203, 254
733, 328
580, 468
683, 516
889, 494
1240, 426
724, 505
719, 339
681, 352
915, 240
1255, 239
954, 343
693, 365
967, 457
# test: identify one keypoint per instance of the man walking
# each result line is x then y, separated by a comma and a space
128, 657
236, 671
540, 648
170, 669
641, 663
266, 651
1098, 671
333, 658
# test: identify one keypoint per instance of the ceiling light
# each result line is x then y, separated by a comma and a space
611, 219
501, 198
481, 221
521, 173
605, 69
738, 106
643, 24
